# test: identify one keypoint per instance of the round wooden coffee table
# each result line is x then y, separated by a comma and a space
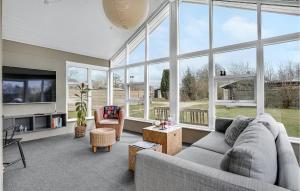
102, 137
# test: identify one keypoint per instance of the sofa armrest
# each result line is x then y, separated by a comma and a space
222, 124
158, 171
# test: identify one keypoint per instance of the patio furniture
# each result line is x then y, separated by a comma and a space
138, 146
170, 138
8, 139
102, 137
115, 121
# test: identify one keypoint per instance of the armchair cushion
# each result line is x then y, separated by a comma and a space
111, 112
109, 122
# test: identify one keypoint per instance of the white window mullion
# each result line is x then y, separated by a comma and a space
174, 73
211, 71
89, 92
146, 78
260, 66
126, 83
109, 100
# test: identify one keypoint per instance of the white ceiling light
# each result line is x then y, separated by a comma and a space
126, 13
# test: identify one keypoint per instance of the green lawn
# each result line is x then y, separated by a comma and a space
289, 117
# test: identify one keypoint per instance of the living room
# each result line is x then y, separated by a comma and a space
150, 95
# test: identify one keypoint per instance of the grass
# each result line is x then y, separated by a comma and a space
289, 117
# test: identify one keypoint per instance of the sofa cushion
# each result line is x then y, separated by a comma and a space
201, 156
236, 128
109, 122
268, 121
222, 124
288, 168
253, 154
214, 141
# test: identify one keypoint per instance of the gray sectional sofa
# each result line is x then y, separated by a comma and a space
198, 167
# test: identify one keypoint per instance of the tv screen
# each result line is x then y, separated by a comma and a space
34, 90
13, 91
49, 92
23, 85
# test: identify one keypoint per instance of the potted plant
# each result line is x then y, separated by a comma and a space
81, 110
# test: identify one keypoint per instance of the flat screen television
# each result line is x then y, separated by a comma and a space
24, 85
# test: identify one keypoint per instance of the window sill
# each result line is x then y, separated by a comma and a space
74, 119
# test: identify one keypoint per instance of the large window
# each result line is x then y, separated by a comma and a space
278, 20
211, 58
193, 26
93, 77
136, 91
236, 83
137, 49
282, 78
193, 83
158, 46
118, 83
233, 23
159, 86
99, 86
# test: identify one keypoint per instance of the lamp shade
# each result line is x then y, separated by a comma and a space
126, 13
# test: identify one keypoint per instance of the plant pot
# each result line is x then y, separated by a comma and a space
80, 131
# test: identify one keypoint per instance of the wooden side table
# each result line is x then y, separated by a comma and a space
170, 138
134, 148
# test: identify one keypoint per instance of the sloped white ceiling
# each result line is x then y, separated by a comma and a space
77, 26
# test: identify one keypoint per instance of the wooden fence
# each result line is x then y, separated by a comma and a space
187, 116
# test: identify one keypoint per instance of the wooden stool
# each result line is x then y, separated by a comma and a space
102, 137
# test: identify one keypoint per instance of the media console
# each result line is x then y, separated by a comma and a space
35, 122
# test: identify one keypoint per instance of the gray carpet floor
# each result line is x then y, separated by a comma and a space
63, 163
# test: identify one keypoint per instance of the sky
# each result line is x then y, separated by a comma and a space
230, 26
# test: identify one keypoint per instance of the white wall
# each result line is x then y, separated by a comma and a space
28, 56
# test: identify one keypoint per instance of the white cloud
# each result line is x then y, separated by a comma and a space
240, 28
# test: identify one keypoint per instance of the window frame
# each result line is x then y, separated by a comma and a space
89, 69
175, 56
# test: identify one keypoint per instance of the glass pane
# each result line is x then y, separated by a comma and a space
77, 75
136, 91
241, 62
282, 84
279, 20
236, 90
119, 87
193, 27
233, 111
137, 53
34, 91
193, 76
159, 40
233, 23
120, 60
73, 89
99, 84
159, 83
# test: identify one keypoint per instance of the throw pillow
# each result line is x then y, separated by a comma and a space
253, 155
236, 128
110, 112
268, 121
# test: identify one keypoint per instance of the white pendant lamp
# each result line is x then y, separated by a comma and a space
126, 14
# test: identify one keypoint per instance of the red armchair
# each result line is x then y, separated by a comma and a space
117, 124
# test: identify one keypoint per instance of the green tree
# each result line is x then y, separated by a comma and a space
165, 84
188, 85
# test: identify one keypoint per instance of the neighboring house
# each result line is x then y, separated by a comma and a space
287, 92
